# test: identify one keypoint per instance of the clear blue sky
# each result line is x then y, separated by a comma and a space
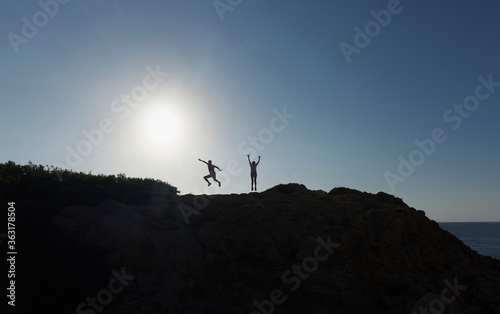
345, 117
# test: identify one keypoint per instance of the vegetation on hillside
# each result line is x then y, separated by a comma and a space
55, 187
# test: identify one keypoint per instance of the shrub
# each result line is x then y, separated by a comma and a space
42, 185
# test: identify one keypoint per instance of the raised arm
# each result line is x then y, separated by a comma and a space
258, 161
202, 161
248, 156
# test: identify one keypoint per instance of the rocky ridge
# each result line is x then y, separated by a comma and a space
285, 250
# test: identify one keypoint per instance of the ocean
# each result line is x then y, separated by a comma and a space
483, 237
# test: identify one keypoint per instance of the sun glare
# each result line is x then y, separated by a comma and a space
163, 124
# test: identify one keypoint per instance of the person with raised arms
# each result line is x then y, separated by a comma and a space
253, 172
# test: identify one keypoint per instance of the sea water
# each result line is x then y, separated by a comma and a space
483, 237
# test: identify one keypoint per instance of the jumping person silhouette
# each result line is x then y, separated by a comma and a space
253, 172
211, 171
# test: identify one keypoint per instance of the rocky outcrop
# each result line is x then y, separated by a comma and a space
286, 250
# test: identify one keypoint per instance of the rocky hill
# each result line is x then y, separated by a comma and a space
285, 250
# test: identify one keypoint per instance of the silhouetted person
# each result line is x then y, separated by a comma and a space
211, 171
253, 172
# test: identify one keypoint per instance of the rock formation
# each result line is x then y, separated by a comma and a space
285, 250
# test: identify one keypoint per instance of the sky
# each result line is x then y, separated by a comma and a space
401, 97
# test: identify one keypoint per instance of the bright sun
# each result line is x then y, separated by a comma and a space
163, 124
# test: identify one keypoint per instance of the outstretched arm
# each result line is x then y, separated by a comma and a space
248, 156
202, 161
218, 168
258, 161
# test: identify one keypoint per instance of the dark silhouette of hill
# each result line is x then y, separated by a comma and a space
47, 258
285, 250
54, 187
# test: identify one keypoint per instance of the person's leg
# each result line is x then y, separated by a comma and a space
255, 181
214, 176
206, 179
